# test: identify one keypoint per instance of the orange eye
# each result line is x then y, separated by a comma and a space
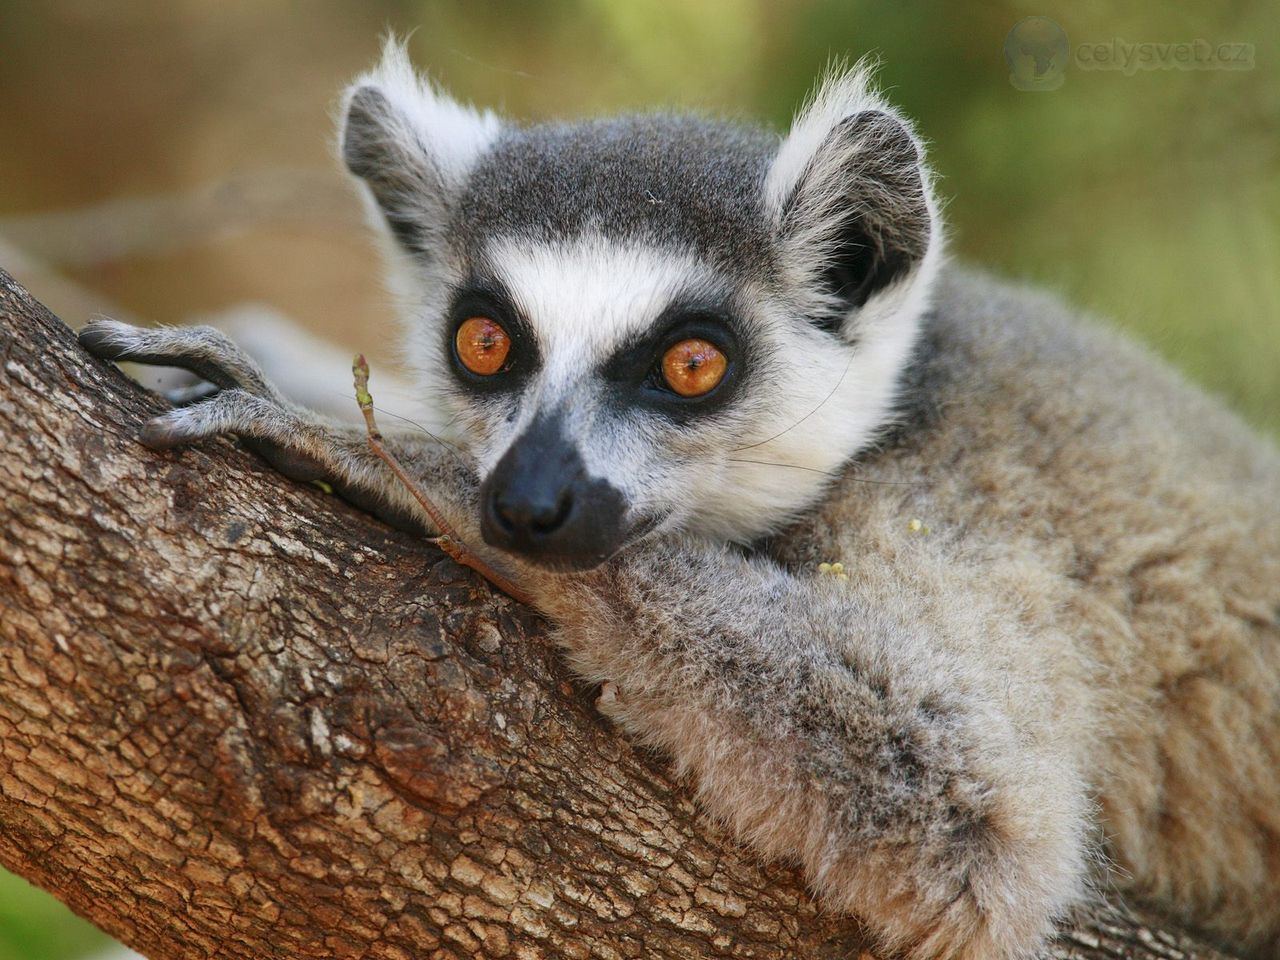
693, 367
482, 345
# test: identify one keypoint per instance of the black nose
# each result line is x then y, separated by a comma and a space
528, 510
540, 502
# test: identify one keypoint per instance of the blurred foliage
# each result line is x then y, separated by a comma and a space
34, 926
1152, 199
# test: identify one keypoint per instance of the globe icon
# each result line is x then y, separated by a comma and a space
1036, 51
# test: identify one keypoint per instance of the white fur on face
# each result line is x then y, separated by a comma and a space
807, 406
819, 403
585, 297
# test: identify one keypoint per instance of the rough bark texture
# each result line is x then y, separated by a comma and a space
238, 719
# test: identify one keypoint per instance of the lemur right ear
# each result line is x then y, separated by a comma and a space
411, 144
851, 202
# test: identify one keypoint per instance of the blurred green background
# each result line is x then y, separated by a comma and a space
163, 159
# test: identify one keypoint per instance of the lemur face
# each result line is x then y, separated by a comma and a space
651, 323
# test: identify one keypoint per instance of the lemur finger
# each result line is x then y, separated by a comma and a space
206, 352
275, 434
234, 411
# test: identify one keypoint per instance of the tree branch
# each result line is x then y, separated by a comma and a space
239, 719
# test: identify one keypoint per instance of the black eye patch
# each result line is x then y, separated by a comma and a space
488, 298
634, 370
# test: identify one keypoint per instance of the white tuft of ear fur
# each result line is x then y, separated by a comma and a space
412, 144
840, 94
455, 134
852, 202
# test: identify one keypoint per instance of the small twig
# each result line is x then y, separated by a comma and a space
448, 540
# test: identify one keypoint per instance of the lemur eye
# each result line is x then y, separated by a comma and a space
482, 345
693, 367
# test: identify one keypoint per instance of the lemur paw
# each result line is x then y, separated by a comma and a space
208, 353
236, 399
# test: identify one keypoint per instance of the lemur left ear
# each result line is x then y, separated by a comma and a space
411, 144
851, 201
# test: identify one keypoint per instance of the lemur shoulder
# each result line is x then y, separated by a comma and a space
687, 363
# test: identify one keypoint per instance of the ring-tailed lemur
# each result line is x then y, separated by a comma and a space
690, 363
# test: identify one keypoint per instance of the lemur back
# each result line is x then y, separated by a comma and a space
1129, 524
685, 364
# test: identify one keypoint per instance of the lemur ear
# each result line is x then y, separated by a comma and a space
411, 144
851, 201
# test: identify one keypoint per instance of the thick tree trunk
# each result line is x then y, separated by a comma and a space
238, 719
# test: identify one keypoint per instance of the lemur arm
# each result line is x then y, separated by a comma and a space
818, 725
823, 730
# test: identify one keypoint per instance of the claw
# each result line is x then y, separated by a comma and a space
103, 338
161, 433
182, 426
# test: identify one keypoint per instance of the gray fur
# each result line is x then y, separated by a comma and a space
1054, 643
669, 180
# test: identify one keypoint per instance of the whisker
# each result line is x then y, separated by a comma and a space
791, 466
414, 423
892, 483
833, 473
383, 411
831, 394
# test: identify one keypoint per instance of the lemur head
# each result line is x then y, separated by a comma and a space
650, 323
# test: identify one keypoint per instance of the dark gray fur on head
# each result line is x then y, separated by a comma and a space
673, 181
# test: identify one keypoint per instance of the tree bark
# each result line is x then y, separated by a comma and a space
239, 719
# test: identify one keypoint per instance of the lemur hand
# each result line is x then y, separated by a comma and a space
242, 402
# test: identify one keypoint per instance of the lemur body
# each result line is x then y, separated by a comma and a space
1079, 659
